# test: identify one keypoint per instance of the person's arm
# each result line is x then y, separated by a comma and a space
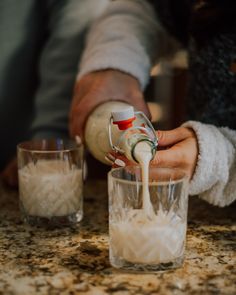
214, 179
120, 50
68, 23
207, 154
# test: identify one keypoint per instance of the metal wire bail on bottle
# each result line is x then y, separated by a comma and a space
117, 149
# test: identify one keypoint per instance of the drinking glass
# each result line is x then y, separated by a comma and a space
138, 241
50, 182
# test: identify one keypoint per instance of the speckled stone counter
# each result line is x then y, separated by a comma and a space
75, 261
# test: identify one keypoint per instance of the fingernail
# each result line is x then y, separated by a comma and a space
120, 163
78, 140
111, 157
109, 161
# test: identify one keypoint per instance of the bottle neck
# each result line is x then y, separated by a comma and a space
148, 142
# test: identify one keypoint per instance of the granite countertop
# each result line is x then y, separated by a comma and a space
75, 261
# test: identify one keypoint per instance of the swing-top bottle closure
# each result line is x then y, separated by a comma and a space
124, 120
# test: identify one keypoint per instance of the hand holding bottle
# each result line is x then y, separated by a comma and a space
177, 148
181, 150
99, 87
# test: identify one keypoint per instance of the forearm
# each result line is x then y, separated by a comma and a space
128, 37
69, 21
214, 179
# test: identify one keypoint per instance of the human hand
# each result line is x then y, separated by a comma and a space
10, 174
180, 150
102, 86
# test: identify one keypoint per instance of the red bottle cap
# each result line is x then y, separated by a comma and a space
125, 124
124, 118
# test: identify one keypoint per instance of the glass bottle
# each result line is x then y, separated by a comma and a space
135, 128
115, 127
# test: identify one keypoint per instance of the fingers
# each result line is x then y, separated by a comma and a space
116, 163
117, 160
166, 138
173, 158
183, 155
168, 158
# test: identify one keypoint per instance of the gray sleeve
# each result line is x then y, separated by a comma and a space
68, 23
214, 179
127, 37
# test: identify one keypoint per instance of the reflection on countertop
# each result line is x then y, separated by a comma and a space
75, 261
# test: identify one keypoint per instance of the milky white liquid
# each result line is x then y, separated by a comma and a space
143, 155
146, 237
96, 129
50, 188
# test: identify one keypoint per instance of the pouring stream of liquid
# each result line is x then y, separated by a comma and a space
143, 154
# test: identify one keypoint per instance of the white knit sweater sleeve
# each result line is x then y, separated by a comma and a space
127, 37
214, 179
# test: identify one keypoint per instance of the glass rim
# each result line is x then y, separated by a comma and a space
73, 146
184, 178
